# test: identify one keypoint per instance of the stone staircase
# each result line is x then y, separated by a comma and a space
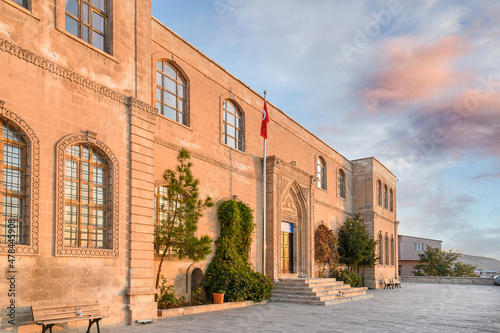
316, 291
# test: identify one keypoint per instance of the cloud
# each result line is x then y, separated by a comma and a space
415, 71
487, 175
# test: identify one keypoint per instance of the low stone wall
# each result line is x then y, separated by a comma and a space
204, 308
447, 280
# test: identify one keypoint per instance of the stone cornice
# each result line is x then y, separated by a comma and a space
207, 159
67, 74
137, 103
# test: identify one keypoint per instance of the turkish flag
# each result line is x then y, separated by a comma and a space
265, 120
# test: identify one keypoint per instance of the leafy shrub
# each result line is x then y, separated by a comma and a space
347, 277
198, 297
167, 298
261, 287
230, 269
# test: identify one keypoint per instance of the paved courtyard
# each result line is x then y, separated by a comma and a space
414, 308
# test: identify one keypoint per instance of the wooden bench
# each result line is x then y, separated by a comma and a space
396, 283
388, 284
50, 315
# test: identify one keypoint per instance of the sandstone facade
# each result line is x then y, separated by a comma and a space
57, 91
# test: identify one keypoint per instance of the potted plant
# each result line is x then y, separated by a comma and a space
218, 297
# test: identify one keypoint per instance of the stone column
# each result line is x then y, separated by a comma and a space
140, 292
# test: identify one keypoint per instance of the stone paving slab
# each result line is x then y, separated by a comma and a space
413, 308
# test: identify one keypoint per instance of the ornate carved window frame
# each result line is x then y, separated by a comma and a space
61, 250
34, 183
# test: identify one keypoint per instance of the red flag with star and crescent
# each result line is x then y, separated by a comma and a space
265, 120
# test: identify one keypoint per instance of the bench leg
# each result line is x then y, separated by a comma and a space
91, 322
47, 327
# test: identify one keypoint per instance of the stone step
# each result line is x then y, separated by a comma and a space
312, 288
310, 291
315, 291
310, 284
314, 297
322, 303
309, 280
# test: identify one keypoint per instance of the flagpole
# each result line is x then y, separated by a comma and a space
264, 204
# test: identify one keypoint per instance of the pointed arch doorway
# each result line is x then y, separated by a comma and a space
287, 248
289, 243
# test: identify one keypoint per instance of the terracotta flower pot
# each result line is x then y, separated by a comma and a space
218, 298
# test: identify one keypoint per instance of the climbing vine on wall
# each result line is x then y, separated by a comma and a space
325, 250
230, 269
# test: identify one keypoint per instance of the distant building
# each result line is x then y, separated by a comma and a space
409, 249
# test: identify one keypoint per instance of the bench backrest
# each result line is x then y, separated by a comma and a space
66, 311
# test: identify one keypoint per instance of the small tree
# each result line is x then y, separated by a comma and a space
464, 270
325, 249
181, 210
356, 247
436, 262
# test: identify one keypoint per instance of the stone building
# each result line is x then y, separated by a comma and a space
96, 99
409, 249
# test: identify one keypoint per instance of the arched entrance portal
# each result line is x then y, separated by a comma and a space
288, 227
291, 229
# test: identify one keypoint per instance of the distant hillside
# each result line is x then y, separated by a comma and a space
484, 263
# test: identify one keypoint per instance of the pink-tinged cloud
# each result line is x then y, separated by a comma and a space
415, 71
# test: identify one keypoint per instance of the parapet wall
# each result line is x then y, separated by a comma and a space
447, 280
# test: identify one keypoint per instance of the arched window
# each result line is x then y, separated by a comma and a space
160, 210
87, 221
88, 20
171, 92
379, 192
387, 250
392, 250
321, 173
380, 249
391, 200
233, 125
13, 185
385, 196
24, 3
342, 189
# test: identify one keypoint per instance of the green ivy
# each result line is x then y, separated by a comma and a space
230, 269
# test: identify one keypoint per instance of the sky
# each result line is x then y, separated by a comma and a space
414, 83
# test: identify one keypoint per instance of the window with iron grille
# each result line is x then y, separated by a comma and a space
391, 200
379, 192
341, 184
380, 249
13, 184
171, 92
88, 20
233, 125
392, 251
321, 173
165, 213
88, 198
385, 196
387, 262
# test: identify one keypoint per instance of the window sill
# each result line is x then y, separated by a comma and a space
233, 149
21, 249
84, 43
322, 189
162, 116
22, 9
65, 251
